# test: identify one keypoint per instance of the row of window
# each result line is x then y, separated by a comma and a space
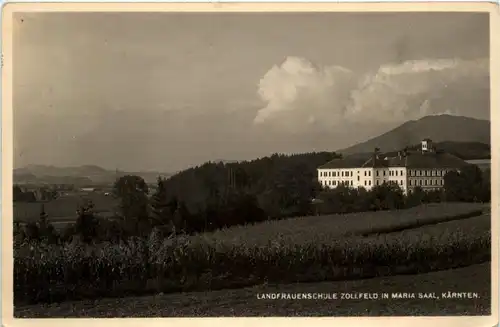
367, 183
426, 182
335, 183
335, 173
377, 182
429, 173
411, 172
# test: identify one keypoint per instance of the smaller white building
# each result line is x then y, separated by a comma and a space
423, 168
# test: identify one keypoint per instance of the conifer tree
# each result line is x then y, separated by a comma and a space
161, 211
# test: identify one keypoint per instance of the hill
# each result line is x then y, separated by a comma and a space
441, 128
463, 150
81, 175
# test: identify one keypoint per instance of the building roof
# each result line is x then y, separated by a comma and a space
434, 160
415, 160
343, 163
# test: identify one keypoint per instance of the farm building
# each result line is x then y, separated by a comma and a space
425, 168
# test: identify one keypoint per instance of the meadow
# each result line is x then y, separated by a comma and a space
308, 249
63, 209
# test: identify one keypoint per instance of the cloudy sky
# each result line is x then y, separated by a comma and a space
143, 91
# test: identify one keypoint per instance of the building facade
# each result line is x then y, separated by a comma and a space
424, 168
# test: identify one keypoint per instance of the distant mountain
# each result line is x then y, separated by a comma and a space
81, 175
438, 128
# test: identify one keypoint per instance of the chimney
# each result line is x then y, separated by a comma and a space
399, 155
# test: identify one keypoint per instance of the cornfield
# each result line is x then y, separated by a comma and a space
240, 256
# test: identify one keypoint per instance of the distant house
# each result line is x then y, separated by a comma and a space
87, 189
425, 168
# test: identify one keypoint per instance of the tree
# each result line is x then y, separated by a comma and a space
46, 231
485, 195
388, 196
17, 194
133, 194
161, 208
86, 223
465, 185
415, 197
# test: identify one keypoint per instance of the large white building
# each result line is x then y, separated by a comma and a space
424, 168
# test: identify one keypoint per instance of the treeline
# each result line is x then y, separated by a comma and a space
40, 194
217, 195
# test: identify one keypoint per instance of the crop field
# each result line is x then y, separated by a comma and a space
244, 302
63, 209
334, 226
325, 248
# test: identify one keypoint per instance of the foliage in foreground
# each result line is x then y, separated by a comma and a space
224, 259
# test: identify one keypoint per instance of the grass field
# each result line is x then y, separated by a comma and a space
244, 302
270, 252
64, 208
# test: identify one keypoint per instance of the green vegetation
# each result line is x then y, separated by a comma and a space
231, 258
64, 208
178, 237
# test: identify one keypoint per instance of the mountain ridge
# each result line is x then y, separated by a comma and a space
80, 175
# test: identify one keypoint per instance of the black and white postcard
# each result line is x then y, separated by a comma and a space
250, 160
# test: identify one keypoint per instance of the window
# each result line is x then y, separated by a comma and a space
365, 172
421, 183
384, 172
377, 182
370, 183
369, 173
351, 173
351, 183
377, 173
402, 172
358, 178
334, 182
401, 182
365, 183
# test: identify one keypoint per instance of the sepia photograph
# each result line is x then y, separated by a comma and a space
232, 163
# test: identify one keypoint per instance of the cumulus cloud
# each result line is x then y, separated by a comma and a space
410, 90
300, 95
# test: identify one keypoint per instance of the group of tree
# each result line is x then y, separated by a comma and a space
40, 194
217, 195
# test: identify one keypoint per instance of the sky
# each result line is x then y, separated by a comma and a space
165, 91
